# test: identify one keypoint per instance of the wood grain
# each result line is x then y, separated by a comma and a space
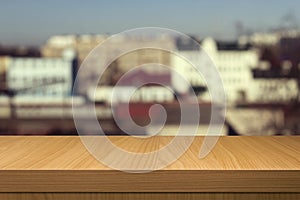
150, 196
237, 164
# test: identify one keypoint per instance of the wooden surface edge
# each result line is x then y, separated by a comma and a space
150, 196
158, 181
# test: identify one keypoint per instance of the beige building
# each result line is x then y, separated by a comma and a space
4, 61
84, 44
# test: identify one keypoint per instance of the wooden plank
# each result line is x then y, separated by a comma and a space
237, 164
150, 196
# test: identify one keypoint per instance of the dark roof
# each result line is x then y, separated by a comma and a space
16, 51
231, 46
272, 73
185, 44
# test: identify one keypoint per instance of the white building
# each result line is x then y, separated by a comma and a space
121, 94
42, 76
233, 65
272, 90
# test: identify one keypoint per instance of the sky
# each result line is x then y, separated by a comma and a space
32, 22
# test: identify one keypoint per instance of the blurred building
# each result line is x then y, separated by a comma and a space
155, 82
289, 50
238, 67
273, 90
19, 51
272, 38
260, 39
84, 44
42, 76
233, 62
110, 94
244, 121
4, 107
4, 60
144, 56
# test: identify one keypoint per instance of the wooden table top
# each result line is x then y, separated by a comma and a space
236, 164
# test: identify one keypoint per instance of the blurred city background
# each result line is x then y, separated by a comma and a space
255, 46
